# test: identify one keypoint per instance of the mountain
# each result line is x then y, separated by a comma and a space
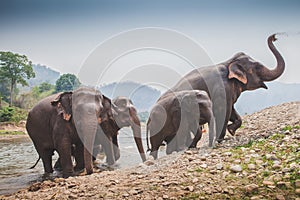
277, 93
142, 96
43, 74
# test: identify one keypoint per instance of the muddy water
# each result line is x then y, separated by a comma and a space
18, 155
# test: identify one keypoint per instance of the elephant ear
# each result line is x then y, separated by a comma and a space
107, 112
236, 71
63, 102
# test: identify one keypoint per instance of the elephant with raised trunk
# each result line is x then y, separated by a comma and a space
225, 82
174, 117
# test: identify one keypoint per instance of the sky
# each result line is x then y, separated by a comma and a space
65, 35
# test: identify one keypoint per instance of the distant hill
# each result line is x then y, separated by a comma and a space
43, 74
142, 96
252, 101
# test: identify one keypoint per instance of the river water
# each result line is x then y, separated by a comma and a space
18, 155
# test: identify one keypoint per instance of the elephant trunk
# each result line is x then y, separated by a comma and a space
269, 75
136, 129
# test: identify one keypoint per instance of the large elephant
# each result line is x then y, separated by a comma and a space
121, 113
52, 125
226, 81
176, 115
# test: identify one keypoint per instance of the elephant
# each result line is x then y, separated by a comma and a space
225, 82
123, 114
176, 115
53, 126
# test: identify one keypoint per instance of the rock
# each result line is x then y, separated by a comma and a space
237, 161
280, 197
165, 196
297, 191
204, 166
251, 188
203, 158
271, 157
259, 162
251, 166
297, 183
236, 168
190, 188
149, 162
268, 183
228, 153
195, 180
219, 166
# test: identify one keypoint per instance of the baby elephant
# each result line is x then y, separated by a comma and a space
177, 114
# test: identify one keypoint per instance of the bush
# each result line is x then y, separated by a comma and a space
6, 114
12, 114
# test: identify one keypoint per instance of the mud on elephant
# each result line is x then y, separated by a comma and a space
176, 115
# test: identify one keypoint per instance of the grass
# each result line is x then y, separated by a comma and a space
5, 132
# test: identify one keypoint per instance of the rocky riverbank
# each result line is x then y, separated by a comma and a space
260, 162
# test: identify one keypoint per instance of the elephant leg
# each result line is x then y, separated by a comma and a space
116, 146
181, 135
46, 157
64, 150
106, 142
171, 144
197, 137
221, 119
236, 120
78, 154
212, 131
57, 165
155, 140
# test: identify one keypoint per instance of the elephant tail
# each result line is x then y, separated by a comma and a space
147, 134
35, 163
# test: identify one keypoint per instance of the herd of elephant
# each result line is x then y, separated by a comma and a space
75, 123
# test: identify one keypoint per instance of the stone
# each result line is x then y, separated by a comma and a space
190, 188
297, 183
219, 166
195, 180
271, 157
165, 196
228, 153
204, 166
251, 166
259, 162
280, 197
268, 183
236, 168
297, 191
251, 188
203, 158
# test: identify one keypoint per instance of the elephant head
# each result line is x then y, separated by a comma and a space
125, 114
253, 74
64, 104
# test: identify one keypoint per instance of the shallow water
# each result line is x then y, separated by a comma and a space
18, 155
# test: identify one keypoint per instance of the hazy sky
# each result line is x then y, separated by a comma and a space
63, 34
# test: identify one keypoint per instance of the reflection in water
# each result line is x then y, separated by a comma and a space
18, 155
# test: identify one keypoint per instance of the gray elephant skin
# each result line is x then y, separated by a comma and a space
225, 82
177, 114
50, 125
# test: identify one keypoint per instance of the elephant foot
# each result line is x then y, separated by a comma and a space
68, 174
89, 170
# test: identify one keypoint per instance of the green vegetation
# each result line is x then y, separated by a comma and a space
5, 132
12, 114
67, 82
15, 69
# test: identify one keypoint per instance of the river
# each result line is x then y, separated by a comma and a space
18, 155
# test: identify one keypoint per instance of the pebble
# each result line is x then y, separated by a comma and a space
268, 183
236, 168
297, 183
251, 188
251, 166
280, 197
297, 191
219, 166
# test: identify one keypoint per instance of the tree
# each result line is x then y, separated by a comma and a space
43, 87
15, 69
67, 82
